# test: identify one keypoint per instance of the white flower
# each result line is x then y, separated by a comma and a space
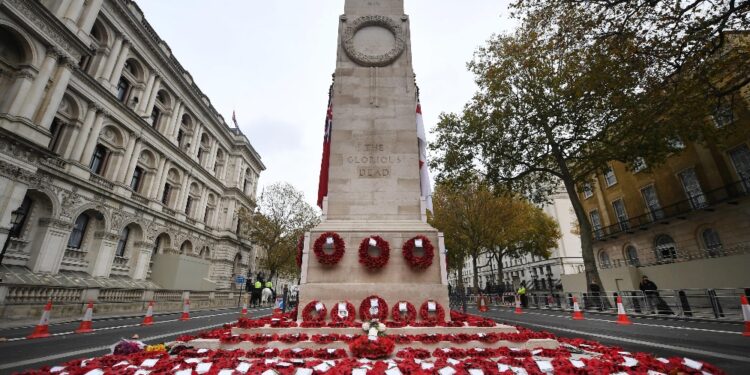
381, 327
373, 332
366, 326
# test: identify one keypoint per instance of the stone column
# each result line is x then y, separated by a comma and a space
111, 173
152, 97
101, 253
195, 143
157, 191
73, 13
56, 94
180, 203
20, 90
142, 255
120, 63
201, 209
133, 162
212, 155
49, 246
86, 22
122, 174
141, 109
92, 138
12, 193
34, 95
75, 149
62, 6
170, 132
114, 54
156, 184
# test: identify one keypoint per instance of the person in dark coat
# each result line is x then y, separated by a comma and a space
655, 301
595, 295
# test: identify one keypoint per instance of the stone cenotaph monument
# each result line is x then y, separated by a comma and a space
373, 200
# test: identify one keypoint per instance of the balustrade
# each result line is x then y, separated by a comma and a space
101, 181
32, 294
120, 295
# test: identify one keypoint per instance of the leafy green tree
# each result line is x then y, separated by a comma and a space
476, 220
557, 103
282, 215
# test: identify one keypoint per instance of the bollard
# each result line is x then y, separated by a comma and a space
686, 311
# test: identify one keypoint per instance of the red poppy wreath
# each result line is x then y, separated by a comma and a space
418, 262
407, 316
374, 262
339, 315
338, 248
438, 314
315, 311
367, 309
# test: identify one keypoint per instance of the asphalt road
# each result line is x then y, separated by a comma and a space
19, 353
719, 343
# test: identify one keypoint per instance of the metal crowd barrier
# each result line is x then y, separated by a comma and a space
719, 304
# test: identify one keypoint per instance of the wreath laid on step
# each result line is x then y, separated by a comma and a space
408, 316
366, 309
350, 313
338, 248
436, 316
418, 262
315, 311
369, 261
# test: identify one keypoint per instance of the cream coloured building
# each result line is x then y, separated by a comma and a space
115, 169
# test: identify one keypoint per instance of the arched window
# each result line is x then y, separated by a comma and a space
712, 241
99, 159
666, 250
123, 242
18, 218
604, 259
631, 254
79, 230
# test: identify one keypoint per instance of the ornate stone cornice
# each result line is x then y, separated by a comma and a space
47, 26
56, 223
387, 58
106, 236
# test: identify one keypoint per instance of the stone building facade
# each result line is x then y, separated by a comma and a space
113, 164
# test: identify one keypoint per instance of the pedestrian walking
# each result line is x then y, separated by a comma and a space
654, 300
522, 295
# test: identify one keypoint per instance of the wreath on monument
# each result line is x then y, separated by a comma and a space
438, 313
338, 248
300, 245
336, 313
418, 262
367, 309
408, 316
315, 311
371, 262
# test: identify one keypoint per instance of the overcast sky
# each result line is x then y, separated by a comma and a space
271, 61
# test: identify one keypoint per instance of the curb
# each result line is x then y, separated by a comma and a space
654, 316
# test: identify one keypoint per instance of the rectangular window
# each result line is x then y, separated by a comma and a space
609, 177
622, 216
135, 182
187, 206
596, 224
639, 165
588, 191
98, 160
123, 86
693, 189
207, 215
79, 230
741, 160
56, 130
180, 136
652, 202
155, 115
165, 194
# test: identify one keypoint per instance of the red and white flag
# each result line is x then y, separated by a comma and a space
323, 179
424, 173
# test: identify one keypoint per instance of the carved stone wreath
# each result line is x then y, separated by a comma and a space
360, 58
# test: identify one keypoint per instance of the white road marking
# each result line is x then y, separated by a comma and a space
642, 324
98, 348
639, 342
129, 325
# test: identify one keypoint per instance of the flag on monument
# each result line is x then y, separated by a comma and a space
234, 119
424, 173
323, 181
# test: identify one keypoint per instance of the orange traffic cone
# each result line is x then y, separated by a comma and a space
577, 313
243, 313
622, 318
42, 329
149, 319
518, 306
482, 304
186, 310
85, 326
745, 315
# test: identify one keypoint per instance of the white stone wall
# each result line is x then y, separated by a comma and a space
92, 78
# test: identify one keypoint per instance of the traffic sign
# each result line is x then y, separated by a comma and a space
239, 279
